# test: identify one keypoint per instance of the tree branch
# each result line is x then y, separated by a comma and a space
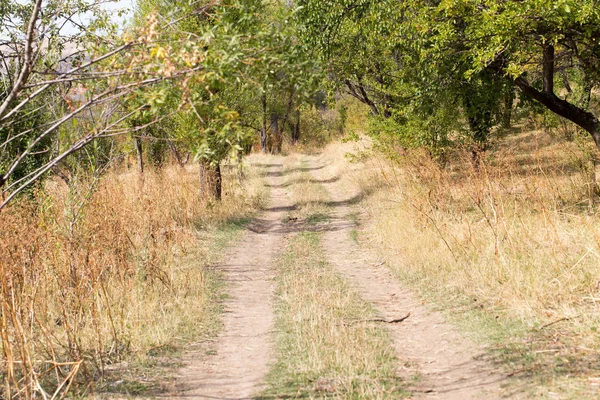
27, 63
584, 119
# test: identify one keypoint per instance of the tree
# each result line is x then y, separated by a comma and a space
269, 91
64, 70
377, 53
544, 47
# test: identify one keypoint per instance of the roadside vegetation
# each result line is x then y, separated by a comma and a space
123, 173
116, 271
509, 253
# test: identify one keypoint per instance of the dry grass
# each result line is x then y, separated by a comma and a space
92, 274
320, 354
320, 351
308, 195
509, 248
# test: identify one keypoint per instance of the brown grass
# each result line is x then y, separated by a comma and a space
93, 273
320, 352
514, 243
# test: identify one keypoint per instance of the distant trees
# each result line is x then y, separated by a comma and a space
255, 74
269, 91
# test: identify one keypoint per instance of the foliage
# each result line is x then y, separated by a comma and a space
18, 136
411, 59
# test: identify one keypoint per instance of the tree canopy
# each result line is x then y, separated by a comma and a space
420, 56
212, 78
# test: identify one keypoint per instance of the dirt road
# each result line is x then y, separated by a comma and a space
447, 365
235, 365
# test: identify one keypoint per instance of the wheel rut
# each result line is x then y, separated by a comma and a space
446, 365
235, 364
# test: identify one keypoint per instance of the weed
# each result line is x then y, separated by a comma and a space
354, 235
510, 251
91, 278
317, 218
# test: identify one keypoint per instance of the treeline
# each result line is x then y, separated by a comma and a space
440, 74
200, 80
207, 80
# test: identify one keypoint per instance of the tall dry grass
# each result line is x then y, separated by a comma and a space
514, 241
517, 233
93, 272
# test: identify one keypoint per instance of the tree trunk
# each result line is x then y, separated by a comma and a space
218, 182
263, 131
140, 154
296, 128
176, 154
203, 179
276, 134
210, 180
359, 92
546, 96
509, 100
479, 120
579, 116
565, 79
240, 166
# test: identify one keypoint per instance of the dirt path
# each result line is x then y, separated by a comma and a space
238, 360
448, 365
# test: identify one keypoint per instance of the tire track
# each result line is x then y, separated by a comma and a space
445, 364
238, 360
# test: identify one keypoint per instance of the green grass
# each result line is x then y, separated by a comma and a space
317, 218
319, 354
354, 235
354, 217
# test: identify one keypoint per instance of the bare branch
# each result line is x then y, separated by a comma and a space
28, 64
66, 74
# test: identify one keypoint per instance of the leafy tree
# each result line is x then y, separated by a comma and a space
544, 47
270, 91
380, 55
58, 71
401, 57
